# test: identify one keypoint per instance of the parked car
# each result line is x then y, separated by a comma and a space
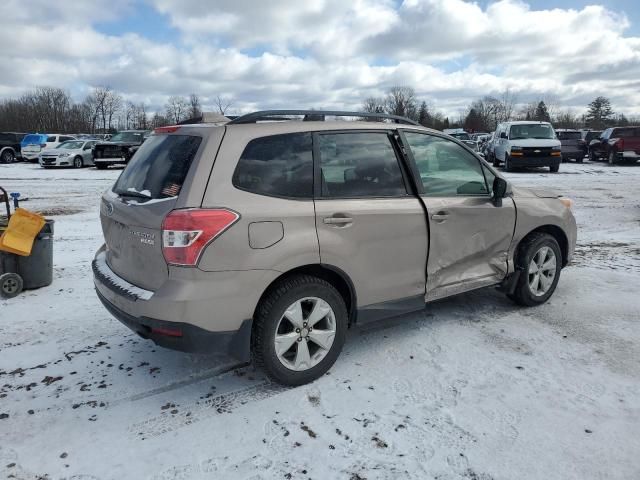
10, 150
33, 144
527, 144
268, 240
488, 147
570, 141
118, 150
587, 136
73, 153
617, 145
465, 138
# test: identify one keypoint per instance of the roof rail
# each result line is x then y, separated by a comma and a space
315, 115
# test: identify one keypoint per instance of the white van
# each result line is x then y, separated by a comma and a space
526, 144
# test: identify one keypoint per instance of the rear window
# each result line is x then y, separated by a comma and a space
279, 165
626, 132
569, 135
159, 167
34, 138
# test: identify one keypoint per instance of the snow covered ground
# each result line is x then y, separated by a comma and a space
472, 388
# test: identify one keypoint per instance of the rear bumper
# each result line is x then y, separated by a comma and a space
212, 310
574, 153
192, 339
628, 156
524, 161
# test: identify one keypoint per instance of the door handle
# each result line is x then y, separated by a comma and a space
440, 216
337, 220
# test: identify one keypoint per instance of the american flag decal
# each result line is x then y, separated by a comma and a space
171, 190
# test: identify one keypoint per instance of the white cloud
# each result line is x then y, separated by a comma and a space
327, 53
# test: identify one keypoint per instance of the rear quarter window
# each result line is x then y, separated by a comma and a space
159, 167
278, 165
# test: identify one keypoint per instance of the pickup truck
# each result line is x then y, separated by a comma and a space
118, 150
616, 145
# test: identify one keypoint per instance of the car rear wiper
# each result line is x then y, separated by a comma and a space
132, 194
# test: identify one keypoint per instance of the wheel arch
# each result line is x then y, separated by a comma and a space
334, 275
557, 233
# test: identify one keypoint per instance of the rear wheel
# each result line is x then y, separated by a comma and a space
300, 327
10, 285
496, 162
539, 261
7, 157
78, 163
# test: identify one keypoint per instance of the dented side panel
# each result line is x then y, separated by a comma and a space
470, 239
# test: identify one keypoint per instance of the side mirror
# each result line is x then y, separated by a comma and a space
503, 135
499, 190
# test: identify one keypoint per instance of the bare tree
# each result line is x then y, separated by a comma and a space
176, 109
222, 104
373, 105
194, 106
112, 105
401, 101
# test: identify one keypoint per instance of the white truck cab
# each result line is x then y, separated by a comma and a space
527, 144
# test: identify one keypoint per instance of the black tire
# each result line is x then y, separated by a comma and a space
268, 314
11, 285
612, 158
554, 168
78, 162
507, 164
7, 157
522, 294
592, 156
580, 159
101, 166
496, 162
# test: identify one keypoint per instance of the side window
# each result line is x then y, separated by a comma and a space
446, 169
279, 165
490, 177
51, 139
359, 165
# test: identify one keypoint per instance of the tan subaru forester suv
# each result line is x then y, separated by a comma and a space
266, 237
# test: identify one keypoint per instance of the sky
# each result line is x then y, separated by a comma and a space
326, 53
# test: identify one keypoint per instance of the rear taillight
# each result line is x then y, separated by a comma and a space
620, 144
171, 129
185, 233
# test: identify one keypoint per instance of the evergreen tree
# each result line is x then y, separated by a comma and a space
542, 114
599, 113
423, 114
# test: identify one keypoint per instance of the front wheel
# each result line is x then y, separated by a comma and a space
612, 158
77, 162
496, 162
554, 168
299, 330
592, 156
507, 164
539, 261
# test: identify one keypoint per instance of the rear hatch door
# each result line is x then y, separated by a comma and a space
570, 140
132, 212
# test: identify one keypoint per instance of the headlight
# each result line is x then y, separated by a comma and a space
557, 148
62, 155
567, 202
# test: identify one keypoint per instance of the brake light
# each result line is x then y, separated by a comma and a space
186, 233
171, 129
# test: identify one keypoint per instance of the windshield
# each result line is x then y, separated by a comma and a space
70, 145
532, 130
127, 137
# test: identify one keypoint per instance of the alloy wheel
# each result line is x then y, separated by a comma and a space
542, 271
305, 333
